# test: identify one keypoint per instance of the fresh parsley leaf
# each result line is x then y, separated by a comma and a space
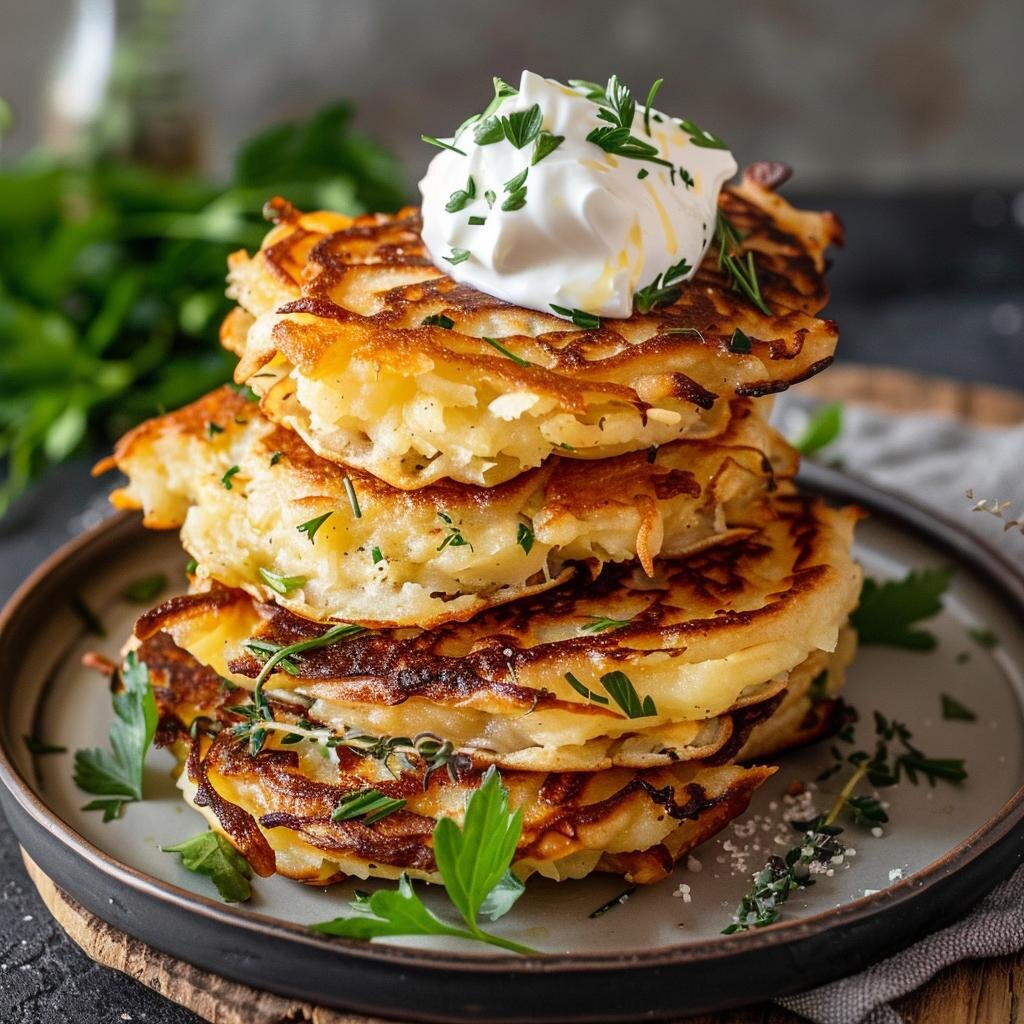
888, 610
213, 856
642, 173
281, 584
145, 588
524, 537
370, 804
39, 747
489, 197
439, 320
515, 201
488, 131
376, 556
213, 428
514, 184
276, 458
622, 691
822, 429
310, 526
581, 318
457, 256
954, 711
591, 90
117, 773
545, 145
740, 342
473, 861
460, 197
497, 346
191, 566
226, 478
522, 126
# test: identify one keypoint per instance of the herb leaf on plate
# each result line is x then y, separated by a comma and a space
822, 429
888, 611
116, 774
210, 854
473, 861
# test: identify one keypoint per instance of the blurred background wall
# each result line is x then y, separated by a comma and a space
876, 94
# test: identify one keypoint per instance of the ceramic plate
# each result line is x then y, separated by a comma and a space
659, 953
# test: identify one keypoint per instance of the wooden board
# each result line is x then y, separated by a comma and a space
981, 992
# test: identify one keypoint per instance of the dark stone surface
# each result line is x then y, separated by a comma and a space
934, 283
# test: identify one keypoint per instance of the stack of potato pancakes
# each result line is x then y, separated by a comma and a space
434, 532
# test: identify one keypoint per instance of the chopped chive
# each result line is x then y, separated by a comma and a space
376, 556
457, 256
518, 360
581, 318
226, 478
600, 623
352, 499
477, 221
282, 584
438, 320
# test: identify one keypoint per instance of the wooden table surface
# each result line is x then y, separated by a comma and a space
972, 992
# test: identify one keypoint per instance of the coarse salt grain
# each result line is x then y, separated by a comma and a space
683, 891
694, 865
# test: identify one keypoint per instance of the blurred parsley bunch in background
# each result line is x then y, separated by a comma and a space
112, 279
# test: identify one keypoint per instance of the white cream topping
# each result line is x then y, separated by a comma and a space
592, 227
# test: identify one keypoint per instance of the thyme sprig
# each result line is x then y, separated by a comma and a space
882, 767
743, 272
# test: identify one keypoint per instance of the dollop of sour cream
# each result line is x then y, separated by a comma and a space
526, 207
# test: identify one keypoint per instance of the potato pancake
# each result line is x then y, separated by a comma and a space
276, 806
622, 670
259, 510
381, 361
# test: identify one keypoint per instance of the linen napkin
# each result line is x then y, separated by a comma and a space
933, 461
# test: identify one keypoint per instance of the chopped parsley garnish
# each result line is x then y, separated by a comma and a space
281, 584
588, 321
226, 478
442, 145
523, 126
489, 198
213, 428
642, 173
370, 804
515, 183
601, 623
984, 638
524, 537
276, 458
888, 610
116, 774
954, 711
439, 320
477, 221
700, 137
352, 499
191, 566
213, 856
664, 289
310, 526
453, 537
145, 588
545, 145
89, 619
822, 429
740, 342
474, 862
591, 90
497, 346
488, 131
376, 556
742, 272
515, 201
460, 197
39, 747
457, 256
649, 102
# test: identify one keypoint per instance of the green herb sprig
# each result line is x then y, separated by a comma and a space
213, 856
742, 272
888, 611
474, 862
664, 289
115, 775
